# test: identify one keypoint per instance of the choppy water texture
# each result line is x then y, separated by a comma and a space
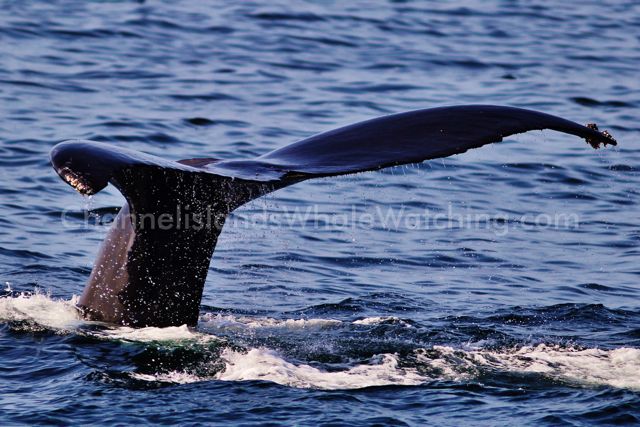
319, 320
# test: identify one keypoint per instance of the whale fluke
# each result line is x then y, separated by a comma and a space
152, 266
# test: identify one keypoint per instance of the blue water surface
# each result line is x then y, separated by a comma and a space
495, 287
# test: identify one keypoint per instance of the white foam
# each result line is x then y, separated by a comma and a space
230, 322
618, 368
170, 377
583, 367
152, 334
40, 309
61, 315
381, 320
267, 365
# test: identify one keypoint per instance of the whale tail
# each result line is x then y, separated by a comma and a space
153, 264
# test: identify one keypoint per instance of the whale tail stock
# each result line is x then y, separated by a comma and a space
153, 264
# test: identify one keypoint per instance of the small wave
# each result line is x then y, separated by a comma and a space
275, 16
590, 102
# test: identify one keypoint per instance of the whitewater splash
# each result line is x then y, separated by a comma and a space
224, 323
267, 365
40, 309
573, 366
570, 365
583, 368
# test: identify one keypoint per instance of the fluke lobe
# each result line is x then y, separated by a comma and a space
152, 266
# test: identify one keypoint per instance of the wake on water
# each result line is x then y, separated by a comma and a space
574, 366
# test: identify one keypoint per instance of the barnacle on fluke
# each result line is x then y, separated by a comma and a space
76, 181
595, 143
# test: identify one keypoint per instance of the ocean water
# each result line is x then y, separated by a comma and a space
495, 287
